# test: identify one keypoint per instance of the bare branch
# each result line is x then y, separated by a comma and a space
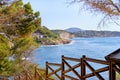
114, 5
74, 1
110, 8
115, 21
102, 21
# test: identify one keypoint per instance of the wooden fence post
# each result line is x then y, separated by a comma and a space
26, 75
83, 70
35, 74
112, 73
62, 72
3, 78
19, 78
46, 71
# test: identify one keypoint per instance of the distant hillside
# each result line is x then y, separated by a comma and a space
77, 32
90, 33
72, 30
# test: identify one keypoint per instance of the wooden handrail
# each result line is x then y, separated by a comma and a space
71, 59
65, 67
54, 64
83, 62
96, 61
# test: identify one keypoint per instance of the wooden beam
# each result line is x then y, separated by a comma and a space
93, 70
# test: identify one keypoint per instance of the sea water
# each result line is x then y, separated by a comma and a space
96, 48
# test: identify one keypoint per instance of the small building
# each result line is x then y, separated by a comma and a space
38, 35
114, 57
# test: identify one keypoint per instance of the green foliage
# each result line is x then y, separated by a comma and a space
28, 9
5, 67
118, 77
18, 22
5, 63
30, 22
37, 14
19, 19
4, 47
47, 33
48, 37
23, 47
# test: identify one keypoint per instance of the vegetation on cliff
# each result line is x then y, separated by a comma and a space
44, 36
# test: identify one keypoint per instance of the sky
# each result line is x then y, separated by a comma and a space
58, 14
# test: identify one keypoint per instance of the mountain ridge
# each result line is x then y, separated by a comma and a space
73, 29
92, 33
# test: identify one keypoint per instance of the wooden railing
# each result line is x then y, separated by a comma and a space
83, 65
73, 69
52, 71
29, 76
3, 78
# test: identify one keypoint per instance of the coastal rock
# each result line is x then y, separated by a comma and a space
57, 42
64, 34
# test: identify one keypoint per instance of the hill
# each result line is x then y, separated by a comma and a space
90, 33
77, 32
72, 30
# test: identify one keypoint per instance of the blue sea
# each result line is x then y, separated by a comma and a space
96, 48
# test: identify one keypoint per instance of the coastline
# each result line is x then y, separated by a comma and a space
58, 44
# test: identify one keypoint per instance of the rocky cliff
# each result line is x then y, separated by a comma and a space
64, 34
44, 36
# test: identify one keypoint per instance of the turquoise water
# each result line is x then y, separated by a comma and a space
91, 47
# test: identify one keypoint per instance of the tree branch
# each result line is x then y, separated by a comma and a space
115, 5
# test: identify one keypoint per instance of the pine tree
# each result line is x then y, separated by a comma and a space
17, 23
